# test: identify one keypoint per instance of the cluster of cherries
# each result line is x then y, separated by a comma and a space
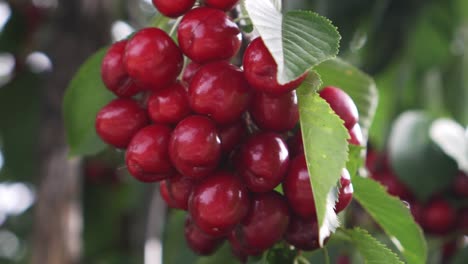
219, 139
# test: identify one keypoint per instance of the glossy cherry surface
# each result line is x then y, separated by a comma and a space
278, 113
218, 203
263, 161
190, 70
169, 105
173, 8
266, 221
356, 137
198, 241
439, 217
298, 190
231, 135
207, 34
113, 72
147, 156
195, 146
342, 104
153, 59
302, 233
177, 191
260, 69
225, 5
345, 192
219, 90
118, 121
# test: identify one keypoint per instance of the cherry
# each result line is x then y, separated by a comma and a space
296, 144
178, 189
298, 190
147, 156
263, 161
164, 192
153, 59
113, 72
198, 241
190, 70
173, 8
239, 249
342, 104
118, 121
356, 137
303, 233
219, 90
207, 34
260, 69
345, 193
277, 113
460, 185
169, 105
225, 5
393, 185
218, 203
266, 221
195, 147
231, 135
439, 216
462, 223
416, 210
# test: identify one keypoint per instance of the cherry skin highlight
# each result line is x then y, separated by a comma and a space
218, 203
219, 90
225, 5
356, 137
198, 241
342, 104
153, 59
118, 121
173, 8
207, 34
170, 105
147, 155
345, 192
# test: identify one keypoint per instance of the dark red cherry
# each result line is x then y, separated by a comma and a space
416, 210
118, 121
190, 70
164, 192
393, 185
260, 69
460, 185
153, 59
342, 104
240, 250
356, 137
275, 112
113, 72
345, 192
296, 144
147, 156
302, 233
231, 135
298, 190
195, 147
219, 90
266, 222
169, 105
178, 189
218, 203
462, 220
225, 5
173, 8
263, 161
200, 242
208, 34
439, 217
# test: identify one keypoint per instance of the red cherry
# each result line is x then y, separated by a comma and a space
218, 203
118, 121
372, 158
342, 104
416, 210
356, 137
231, 135
177, 191
173, 8
263, 161
190, 70
198, 241
462, 223
302, 233
260, 69
298, 190
393, 185
296, 145
460, 185
273, 112
219, 90
266, 222
240, 250
439, 217
113, 72
195, 147
153, 59
164, 192
169, 105
207, 34
147, 155
345, 193
225, 5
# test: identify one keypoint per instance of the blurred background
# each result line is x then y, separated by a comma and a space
58, 210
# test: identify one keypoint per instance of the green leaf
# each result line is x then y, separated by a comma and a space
84, 97
394, 218
419, 162
326, 147
298, 40
360, 87
370, 248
